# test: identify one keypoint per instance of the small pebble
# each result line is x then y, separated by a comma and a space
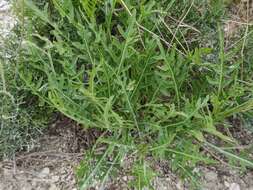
44, 172
55, 178
53, 187
179, 185
234, 186
124, 178
227, 184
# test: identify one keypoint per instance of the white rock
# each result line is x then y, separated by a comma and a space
53, 187
124, 178
179, 185
4, 6
234, 186
44, 172
227, 184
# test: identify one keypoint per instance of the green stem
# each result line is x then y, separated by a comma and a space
2, 76
221, 57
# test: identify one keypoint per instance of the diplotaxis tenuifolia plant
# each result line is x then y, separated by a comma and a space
153, 76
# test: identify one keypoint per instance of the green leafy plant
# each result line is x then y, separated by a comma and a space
119, 67
20, 118
89, 7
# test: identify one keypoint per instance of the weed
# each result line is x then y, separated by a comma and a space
138, 71
20, 116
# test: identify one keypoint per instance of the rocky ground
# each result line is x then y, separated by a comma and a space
51, 163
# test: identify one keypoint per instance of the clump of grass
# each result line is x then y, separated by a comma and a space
138, 71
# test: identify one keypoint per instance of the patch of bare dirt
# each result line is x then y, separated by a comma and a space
52, 161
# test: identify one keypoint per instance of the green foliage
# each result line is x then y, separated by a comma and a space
126, 68
143, 176
21, 120
89, 7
